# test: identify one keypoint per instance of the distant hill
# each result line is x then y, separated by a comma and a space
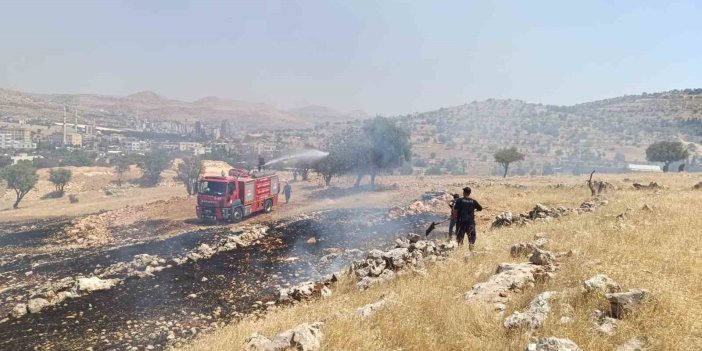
320, 114
118, 110
606, 132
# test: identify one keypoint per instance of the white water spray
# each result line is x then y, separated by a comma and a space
305, 155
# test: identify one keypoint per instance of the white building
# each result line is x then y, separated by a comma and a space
16, 138
643, 168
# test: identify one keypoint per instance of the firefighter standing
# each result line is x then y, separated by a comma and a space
287, 191
465, 220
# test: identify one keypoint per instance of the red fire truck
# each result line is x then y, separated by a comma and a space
237, 195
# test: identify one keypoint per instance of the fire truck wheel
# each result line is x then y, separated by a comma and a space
237, 215
268, 206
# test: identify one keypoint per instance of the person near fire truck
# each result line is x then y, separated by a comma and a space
287, 191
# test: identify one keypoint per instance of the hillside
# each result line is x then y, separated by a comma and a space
605, 131
118, 110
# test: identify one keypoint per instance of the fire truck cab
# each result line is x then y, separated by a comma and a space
236, 195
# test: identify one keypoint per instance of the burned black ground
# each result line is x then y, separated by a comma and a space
185, 300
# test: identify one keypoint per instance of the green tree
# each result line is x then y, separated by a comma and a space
666, 152
506, 156
189, 172
121, 167
338, 161
153, 163
21, 178
389, 146
60, 177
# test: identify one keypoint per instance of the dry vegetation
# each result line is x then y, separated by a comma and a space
658, 250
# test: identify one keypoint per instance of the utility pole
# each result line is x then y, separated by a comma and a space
64, 125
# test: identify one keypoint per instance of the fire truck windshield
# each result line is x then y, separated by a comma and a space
213, 188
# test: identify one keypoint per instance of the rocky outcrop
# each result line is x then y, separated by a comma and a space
140, 266
601, 283
508, 278
623, 303
304, 337
409, 254
523, 249
552, 344
430, 202
543, 213
534, 316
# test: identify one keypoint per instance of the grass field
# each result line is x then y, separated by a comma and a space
658, 250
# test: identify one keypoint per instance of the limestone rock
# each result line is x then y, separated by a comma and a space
623, 303
19, 310
553, 344
634, 344
37, 304
396, 257
523, 249
601, 283
543, 258
95, 284
534, 316
508, 277
602, 323
304, 337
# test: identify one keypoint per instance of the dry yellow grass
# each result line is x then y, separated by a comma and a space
660, 251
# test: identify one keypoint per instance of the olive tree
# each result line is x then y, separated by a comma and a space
60, 177
21, 178
506, 156
666, 152
153, 163
189, 172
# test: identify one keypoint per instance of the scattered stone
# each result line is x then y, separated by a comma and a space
304, 337
697, 186
370, 309
553, 344
509, 277
634, 344
37, 304
305, 291
601, 283
602, 323
94, 284
312, 240
523, 249
622, 303
534, 316
19, 310
543, 258
650, 186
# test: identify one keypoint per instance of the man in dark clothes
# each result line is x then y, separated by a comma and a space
465, 208
452, 222
287, 191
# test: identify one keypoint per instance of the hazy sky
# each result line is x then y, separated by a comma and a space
383, 57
